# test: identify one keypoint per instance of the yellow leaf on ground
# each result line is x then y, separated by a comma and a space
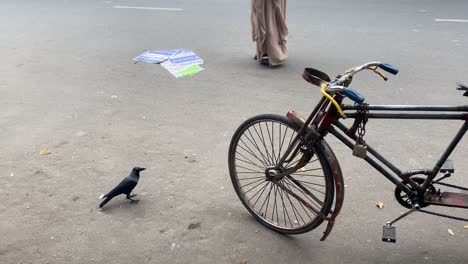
450, 231
466, 227
379, 205
44, 152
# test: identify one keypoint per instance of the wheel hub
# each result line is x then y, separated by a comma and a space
271, 174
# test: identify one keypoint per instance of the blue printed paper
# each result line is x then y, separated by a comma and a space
179, 62
155, 56
185, 57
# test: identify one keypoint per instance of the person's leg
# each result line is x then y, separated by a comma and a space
277, 31
259, 30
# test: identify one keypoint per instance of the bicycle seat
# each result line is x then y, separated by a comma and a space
315, 77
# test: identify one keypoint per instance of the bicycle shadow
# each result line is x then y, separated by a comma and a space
295, 241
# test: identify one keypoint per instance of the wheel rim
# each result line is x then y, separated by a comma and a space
258, 149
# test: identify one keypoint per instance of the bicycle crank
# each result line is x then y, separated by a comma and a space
410, 200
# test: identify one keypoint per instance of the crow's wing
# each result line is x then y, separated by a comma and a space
125, 186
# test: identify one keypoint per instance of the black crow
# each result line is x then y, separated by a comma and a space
125, 187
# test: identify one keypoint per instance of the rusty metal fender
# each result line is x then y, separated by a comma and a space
336, 173
339, 185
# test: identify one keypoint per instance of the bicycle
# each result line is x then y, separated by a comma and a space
289, 179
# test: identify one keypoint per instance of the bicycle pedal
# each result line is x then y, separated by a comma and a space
447, 167
389, 234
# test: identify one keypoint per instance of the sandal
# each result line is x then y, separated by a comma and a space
263, 60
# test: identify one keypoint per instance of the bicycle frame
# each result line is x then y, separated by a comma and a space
328, 121
324, 119
432, 173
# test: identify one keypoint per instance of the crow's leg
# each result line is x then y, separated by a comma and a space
129, 197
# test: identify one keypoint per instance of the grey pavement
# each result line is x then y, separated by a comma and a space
68, 84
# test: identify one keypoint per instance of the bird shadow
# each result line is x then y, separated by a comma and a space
115, 205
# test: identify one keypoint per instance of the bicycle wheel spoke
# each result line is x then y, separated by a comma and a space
310, 187
290, 165
274, 204
307, 175
294, 209
264, 188
264, 136
266, 199
271, 137
240, 154
284, 138
249, 162
250, 178
314, 169
306, 211
311, 183
252, 153
290, 140
253, 188
285, 211
268, 202
254, 143
250, 183
248, 169
260, 135
311, 197
309, 170
280, 145
266, 156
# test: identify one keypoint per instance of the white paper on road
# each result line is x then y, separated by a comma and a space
180, 70
155, 56
184, 62
179, 62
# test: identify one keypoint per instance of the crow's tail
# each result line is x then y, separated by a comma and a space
108, 198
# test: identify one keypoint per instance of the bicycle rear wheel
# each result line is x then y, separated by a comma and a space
255, 150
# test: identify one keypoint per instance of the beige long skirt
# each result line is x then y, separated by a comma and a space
269, 29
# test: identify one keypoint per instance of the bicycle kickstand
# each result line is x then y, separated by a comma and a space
389, 231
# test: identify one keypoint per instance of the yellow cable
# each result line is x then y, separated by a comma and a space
329, 97
334, 102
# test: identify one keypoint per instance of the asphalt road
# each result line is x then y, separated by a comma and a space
68, 84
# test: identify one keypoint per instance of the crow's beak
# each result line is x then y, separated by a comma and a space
142, 169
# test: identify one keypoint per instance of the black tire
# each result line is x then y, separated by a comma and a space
248, 162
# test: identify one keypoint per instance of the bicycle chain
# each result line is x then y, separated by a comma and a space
452, 186
444, 215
